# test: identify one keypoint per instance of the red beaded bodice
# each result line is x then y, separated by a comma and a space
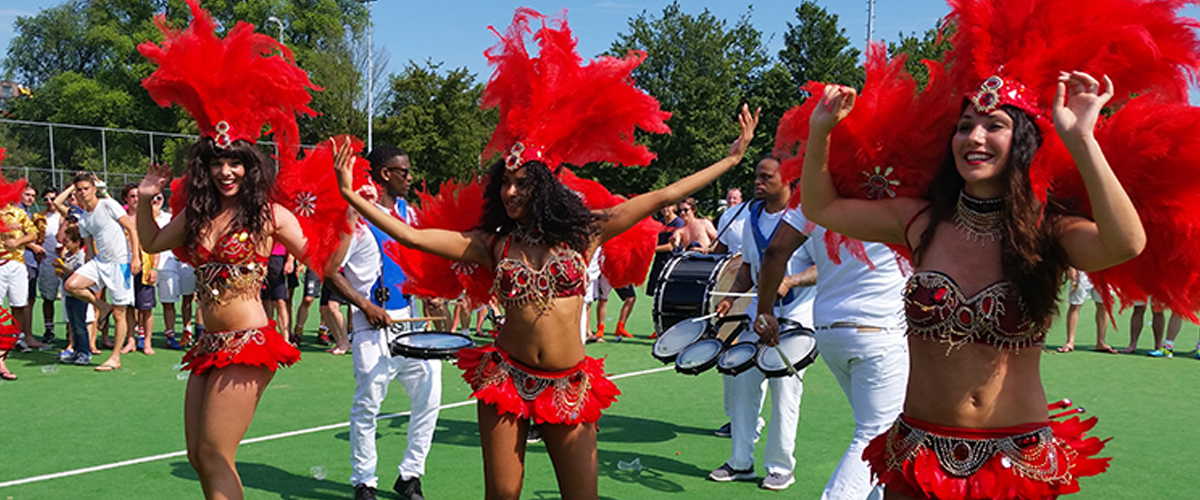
233, 268
564, 274
936, 307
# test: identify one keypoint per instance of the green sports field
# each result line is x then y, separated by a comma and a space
73, 433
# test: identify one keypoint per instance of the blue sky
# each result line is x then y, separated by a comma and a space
455, 32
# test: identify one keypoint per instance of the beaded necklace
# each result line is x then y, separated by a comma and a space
979, 219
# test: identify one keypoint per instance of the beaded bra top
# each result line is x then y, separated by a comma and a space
937, 308
232, 269
564, 274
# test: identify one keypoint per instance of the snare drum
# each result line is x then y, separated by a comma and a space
691, 285
798, 344
430, 345
670, 343
702, 355
737, 359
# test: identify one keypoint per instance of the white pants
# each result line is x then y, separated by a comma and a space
374, 369
14, 283
872, 368
745, 393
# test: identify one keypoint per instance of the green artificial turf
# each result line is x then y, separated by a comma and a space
72, 418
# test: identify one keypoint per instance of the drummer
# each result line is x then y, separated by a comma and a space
859, 313
372, 284
744, 393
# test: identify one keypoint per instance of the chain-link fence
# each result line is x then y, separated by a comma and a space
49, 154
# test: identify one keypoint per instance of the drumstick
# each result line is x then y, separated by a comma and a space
791, 369
418, 320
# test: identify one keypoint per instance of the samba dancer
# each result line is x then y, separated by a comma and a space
534, 233
745, 392
859, 318
229, 222
372, 285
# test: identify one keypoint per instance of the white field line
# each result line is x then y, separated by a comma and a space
260, 439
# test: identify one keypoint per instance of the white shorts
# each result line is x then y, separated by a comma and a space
112, 277
168, 286
14, 283
48, 282
1080, 294
187, 279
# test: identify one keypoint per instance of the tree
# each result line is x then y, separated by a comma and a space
82, 61
931, 45
817, 49
701, 69
435, 117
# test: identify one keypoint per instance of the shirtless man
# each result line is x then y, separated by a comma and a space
697, 234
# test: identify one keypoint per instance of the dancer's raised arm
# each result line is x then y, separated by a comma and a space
881, 220
625, 215
1117, 234
462, 247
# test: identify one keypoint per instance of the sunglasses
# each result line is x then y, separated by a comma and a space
158, 197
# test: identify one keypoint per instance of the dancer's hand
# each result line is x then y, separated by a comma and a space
156, 179
343, 163
747, 121
835, 104
1078, 102
767, 328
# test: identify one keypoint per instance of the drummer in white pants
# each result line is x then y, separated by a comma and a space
371, 283
744, 393
859, 313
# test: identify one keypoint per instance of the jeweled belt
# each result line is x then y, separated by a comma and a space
1034, 454
232, 342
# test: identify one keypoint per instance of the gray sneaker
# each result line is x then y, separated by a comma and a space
725, 474
777, 482
82, 358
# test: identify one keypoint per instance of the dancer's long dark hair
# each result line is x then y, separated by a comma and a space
1030, 255
253, 205
559, 214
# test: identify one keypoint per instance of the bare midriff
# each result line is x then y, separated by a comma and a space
976, 386
547, 340
234, 314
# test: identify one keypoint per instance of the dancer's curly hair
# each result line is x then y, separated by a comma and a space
1030, 254
559, 214
253, 205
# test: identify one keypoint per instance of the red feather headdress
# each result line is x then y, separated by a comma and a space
231, 86
10, 192
556, 110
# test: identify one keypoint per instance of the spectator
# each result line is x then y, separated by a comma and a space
698, 232
73, 259
1081, 289
48, 282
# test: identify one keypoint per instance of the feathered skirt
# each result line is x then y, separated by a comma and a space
572, 396
262, 346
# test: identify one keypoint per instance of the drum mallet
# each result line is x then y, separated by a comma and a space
762, 323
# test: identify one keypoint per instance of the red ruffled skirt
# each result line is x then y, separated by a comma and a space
572, 396
1035, 461
262, 346
10, 332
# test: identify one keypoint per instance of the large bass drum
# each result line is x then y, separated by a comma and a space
691, 285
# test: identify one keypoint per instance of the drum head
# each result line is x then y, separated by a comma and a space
699, 357
430, 345
723, 278
800, 346
737, 359
677, 338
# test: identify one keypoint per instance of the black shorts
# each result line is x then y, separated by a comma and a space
329, 294
626, 292
312, 284
276, 281
143, 295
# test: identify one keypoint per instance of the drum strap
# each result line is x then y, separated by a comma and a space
761, 241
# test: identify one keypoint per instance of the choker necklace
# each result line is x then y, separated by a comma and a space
979, 219
531, 237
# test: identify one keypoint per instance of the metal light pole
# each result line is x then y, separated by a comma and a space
276, 20
870, 21
370, 75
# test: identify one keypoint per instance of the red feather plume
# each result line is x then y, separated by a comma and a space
563, 111
309, 189
457, 207
10, 192
245, 80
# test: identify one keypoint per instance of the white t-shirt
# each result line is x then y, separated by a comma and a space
361, 267
50, 243
735, 219
101, 224
851, 291
167, 261
800, 309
